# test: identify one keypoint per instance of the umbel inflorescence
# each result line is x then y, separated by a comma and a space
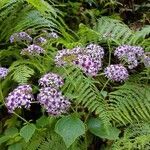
33, 45
50, 97
88, 59
130, 54
116, 72
19, 97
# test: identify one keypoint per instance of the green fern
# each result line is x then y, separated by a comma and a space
113, 29
129, 104
21, 73
136, 136
82, 91
35, 14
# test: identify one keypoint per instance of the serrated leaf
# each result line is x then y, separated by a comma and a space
69, 128
27, 131
97, 128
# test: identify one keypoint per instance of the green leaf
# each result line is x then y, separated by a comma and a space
97, 128
42, 121
11, 131
4, 139
27, 131
69, 128
16, 146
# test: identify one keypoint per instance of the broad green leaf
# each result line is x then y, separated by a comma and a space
11, 131
42, 121
16, 146
4, 139
69, 128
27, 131
97, 128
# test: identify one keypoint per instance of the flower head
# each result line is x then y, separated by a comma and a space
53, 101
88, 64
53, 35
95, 51
21, 96
51, 80
146, 60
116, 72
61, 57
88, 59
131, 54
40, 40
33, 50
21, 36
3, 72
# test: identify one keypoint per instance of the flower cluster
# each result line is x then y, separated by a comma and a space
87, 59
95, 51
87, 64
3, 72
21, 36
51, 80
53, 101
21, 96
33, 50
53, 35
146, 60
61, 56
131, 54
50, 96
116, 72
40, 40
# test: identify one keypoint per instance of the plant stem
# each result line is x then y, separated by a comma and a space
108, 42
1, 94
20, 117
105, 85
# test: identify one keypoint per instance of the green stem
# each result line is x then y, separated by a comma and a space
105, 85
20, 117
1, 93
108, 42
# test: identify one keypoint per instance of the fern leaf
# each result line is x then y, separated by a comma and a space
129, 104
22, 73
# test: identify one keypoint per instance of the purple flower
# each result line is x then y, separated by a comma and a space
33, 50
21, 36
40, 40
19, 97
88, 59
146, 61
53, 101
3, 72
88, 64
131, 54
51, 80
95, 51
53, 35
61, 57
116, 72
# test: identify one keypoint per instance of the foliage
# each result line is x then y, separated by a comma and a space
115, 114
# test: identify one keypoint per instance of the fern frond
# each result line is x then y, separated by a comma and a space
129, 104
35, 14
82, 91
136, 136
21, 73
113, 29
140, 35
